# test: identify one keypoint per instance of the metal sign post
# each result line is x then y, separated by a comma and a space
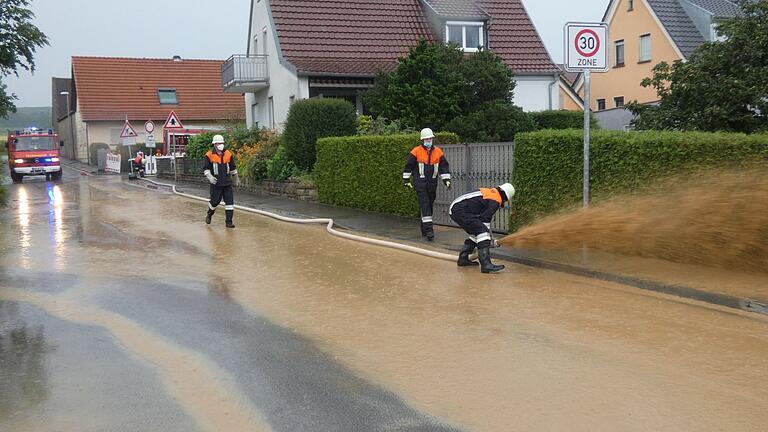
586, 51
587, 111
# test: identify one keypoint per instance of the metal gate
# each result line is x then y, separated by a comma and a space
474, 166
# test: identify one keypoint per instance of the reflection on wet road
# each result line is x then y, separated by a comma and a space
120, 310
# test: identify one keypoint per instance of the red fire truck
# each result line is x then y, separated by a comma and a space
33, 152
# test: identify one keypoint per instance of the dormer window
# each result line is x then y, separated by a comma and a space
468, 35
167, 96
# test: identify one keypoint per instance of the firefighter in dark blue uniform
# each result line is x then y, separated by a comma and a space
425, 164
219, 169
474, 212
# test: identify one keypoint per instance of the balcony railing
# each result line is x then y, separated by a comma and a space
244, 73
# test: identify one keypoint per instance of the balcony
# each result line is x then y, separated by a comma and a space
245, 73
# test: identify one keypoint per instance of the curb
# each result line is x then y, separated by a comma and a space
732, 302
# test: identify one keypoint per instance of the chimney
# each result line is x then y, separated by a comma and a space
177, 58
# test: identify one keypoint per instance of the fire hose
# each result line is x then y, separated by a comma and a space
329, 226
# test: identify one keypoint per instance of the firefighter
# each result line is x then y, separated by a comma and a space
474, 212
219, 169
425, 163
138, 163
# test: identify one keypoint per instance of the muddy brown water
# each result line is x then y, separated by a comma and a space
523, 350
717, 219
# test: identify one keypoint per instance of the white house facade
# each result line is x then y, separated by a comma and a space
298, 49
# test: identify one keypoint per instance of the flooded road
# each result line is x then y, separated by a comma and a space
121, 310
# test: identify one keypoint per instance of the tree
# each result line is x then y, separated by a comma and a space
494, 121
19, 40
426, 89
722, 87
486, 78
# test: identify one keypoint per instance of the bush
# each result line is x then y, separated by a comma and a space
365, 172
252, 158
240, 136
315, 118
279, 167
562, 119
198, 145
548, 164
367, 125
95, 147
494, 121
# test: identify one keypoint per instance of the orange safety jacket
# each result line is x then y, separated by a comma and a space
484, 203
425, 165
221, 166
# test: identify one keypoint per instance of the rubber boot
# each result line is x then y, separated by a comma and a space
429, 231
230, 213
466, 251
486, 266
209, 216
423, 229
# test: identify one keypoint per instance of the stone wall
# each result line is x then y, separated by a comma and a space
191, 173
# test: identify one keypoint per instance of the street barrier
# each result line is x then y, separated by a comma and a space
113, 163
150, 166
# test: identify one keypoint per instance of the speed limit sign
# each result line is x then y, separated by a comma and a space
586, 47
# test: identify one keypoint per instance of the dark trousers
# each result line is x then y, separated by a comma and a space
426, 194
222, 192
479, 234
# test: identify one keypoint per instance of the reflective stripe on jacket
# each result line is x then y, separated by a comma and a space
221, 166
484, 203
424, 164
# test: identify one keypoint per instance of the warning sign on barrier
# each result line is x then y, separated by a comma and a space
113, 163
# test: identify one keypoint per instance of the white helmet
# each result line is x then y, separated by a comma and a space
509, 190
218, 139
426, 133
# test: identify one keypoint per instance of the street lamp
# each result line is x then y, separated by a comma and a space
71, 126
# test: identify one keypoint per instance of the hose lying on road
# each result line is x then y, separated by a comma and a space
329, 227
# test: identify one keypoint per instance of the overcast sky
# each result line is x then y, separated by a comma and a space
193, 29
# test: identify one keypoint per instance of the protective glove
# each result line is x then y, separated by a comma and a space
408, 184
211, 177
237, 180
447, 183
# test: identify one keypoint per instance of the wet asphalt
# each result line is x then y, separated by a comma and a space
121, 311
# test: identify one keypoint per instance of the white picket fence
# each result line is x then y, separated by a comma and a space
113, 163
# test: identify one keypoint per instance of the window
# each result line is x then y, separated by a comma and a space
468, 35
630, 5
619, 101
271, 112
167, 96
645, 48
255, 115
600, 104
619, 53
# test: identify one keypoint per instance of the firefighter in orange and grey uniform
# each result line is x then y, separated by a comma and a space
219, 169
474, 212
425, 164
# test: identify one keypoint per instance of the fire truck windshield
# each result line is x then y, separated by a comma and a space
28, 143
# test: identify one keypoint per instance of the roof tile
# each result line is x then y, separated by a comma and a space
111, 88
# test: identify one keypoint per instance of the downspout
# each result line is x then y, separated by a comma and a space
250, 28
556, 80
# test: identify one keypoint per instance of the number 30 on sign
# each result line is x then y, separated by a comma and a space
586, 46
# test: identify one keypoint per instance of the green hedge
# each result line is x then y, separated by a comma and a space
315, 118
562, 119
548, 164
365, 172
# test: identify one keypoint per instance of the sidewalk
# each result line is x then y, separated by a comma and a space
716, 286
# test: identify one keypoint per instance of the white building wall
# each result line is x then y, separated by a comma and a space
536, 92
284, 85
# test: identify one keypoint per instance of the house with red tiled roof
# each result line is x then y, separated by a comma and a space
299, 49
104, 91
